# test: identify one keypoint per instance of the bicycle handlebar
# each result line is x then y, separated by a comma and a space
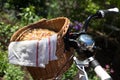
102, 13
99, 14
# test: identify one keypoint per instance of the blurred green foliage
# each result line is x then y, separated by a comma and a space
71, 73
13, 73
7, 70
28, 15
3, 63
6, 30
15, 14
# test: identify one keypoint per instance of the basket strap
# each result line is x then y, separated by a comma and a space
37, 54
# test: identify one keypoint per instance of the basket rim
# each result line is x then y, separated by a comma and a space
60, 34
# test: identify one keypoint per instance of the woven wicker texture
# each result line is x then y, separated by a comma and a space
57, 26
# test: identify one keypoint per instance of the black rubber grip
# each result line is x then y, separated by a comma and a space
94, 63
109, 79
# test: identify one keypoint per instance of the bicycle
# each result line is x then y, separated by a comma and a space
84, 44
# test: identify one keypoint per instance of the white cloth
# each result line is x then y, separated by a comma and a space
33, 53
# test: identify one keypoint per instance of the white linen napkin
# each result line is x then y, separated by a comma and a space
33, 53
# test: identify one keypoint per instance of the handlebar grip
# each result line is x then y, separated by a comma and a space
100, 71
103, 12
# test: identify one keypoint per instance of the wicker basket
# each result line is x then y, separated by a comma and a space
60, 26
